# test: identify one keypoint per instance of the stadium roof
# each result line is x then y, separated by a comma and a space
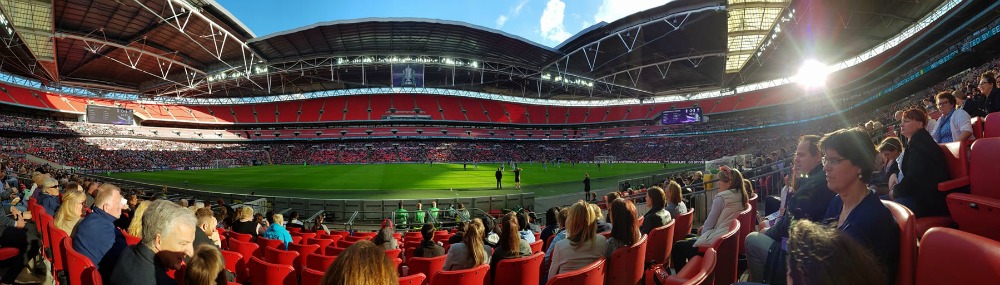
196, 48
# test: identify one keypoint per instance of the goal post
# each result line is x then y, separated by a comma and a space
224, 163
604, 158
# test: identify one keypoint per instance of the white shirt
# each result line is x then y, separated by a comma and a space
960, 122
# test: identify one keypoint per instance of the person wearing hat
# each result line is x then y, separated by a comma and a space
49, 195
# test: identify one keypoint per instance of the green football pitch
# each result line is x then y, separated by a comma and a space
398, 181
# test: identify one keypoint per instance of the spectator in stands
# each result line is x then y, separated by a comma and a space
726, 206
856, 210
551, 225
70, 211
96, 236
246, 224
809, 202
890, 149
49, 199
91, 192
657, 216
459, 233
294, 221
823, 255
602, 225
12, 234
988, 85
922, 168
461, 213
362, 263
511, 244
135, 227
168, 233
277, 231
318, 225
582, 245
206, 267
558, 236
955, 124
675, 202
428, 247
525, 231
471, 252
386, 236
206, 233
490, 236
625, 231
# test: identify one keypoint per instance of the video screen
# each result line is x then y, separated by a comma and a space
681, 116
109, 115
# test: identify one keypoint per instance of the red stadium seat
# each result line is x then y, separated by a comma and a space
412, 279
992, 125
626, 264
659, 243
412, 236
548, 242
343, 243
957, 157
949, 256
682, 228
697, 271
247, 250
353, 239
978, 124
130, 239
278, 256
334, 251
240, 237
77, 265
745, 218
234, 261
426, 265
340, 233
304, 251
471, 276
56, 236
524, 270
978, 212
726, 248
319, 262
907, 241
296, 239
537, 246
592, 274
393, 253
305, 236
311, 276
262, 272
322, 242
91, 276
272, 243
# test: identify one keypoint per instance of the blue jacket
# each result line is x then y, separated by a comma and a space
278, 232
50, 203
872, 225
97, 238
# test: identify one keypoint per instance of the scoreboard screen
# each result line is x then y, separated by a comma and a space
681, 116
109, 115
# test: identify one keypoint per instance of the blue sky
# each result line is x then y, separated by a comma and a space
547, 22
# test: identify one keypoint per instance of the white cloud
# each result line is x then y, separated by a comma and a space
501, 20
611, 10
552, 21
517, 9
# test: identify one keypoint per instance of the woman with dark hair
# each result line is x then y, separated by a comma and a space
856, 210
657, 216
551, 223
511, 245
525, 231
820, 255
385, 237
726, 207
625, 225
922, 168
362, 263
890, 149
675, 203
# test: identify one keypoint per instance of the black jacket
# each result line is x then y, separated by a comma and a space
923, 167
138, 265
811, 199
428, 249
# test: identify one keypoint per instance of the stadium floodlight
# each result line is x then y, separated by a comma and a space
812, 74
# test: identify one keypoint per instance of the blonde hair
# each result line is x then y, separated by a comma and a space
362, 263
206, 267
580, 224
246, 213
278, 219
67, 216
473, 239
135, 227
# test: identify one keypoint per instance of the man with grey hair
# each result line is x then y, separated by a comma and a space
168, 232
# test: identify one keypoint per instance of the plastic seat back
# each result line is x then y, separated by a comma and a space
130, 239
319, 262
524, 270
56, 236
698, 271
311, 277
413, 279
321, 242
266, 242
537, 246
426, 265
978, 124
247, 250
393, 253
262, 272
277, 256
334, 250
907, 241
626, 264
240, 237
306, 236
949, 256
992, 125
683, 226
303, 250
592, 274
75, 262
979, 211
234, 261
471, 276
659, 243
727, 255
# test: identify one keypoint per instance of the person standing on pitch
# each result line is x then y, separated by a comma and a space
517, 178
586, 186
499, 176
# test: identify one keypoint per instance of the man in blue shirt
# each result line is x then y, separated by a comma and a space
96, 236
